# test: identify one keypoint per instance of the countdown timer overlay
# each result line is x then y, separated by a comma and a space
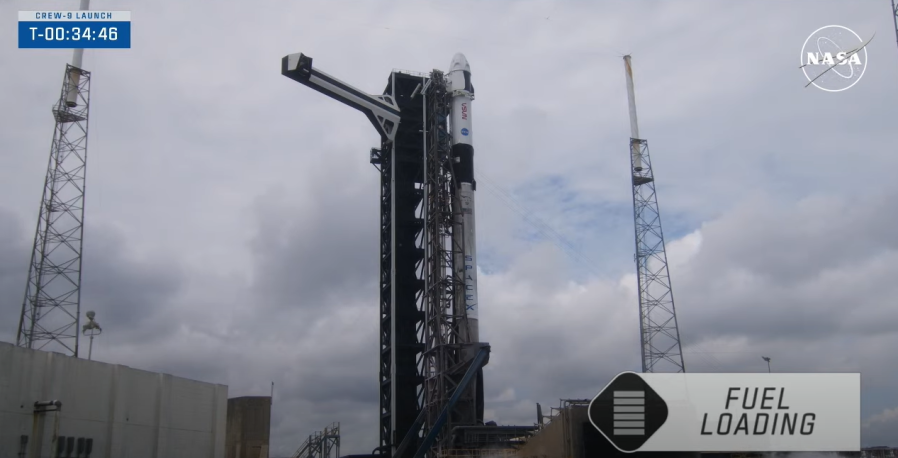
74, 29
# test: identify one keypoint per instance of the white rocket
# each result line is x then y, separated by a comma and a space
462, 93
464, 232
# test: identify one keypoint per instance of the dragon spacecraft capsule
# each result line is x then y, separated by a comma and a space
462, 93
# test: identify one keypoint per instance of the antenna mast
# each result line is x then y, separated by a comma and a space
660, 337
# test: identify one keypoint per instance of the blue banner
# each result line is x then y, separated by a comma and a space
75, 34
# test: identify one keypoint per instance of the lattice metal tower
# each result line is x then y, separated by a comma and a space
660, 336
52, 305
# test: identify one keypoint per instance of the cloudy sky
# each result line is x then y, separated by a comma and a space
232, 216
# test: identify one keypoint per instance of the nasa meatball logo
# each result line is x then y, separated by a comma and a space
464, 132
628, 412
834, 58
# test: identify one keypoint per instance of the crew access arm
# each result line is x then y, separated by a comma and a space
381, 110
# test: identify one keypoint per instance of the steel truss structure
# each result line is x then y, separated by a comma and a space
443, 364
401, 165
321, 444
52, 305
417, 189
447, 353
660, 335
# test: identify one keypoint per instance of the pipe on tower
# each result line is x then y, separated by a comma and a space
71, 97
634, 126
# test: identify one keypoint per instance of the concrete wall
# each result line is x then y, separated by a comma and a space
127, 412
249, 426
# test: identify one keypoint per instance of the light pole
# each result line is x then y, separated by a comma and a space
92, 328
767, 358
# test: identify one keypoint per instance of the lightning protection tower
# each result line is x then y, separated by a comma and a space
660, 336
52, 304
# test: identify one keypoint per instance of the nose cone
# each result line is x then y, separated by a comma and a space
459, 63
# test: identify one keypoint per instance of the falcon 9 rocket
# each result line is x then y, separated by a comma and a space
464, 233
462, 93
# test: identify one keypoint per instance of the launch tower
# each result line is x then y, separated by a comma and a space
431, 359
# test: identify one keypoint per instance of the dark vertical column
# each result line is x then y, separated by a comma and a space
401, 283
386, 262
408, 315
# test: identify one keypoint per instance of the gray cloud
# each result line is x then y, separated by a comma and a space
795, 272
322, 249
880, 428
131, 296
127, 292
13, 271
